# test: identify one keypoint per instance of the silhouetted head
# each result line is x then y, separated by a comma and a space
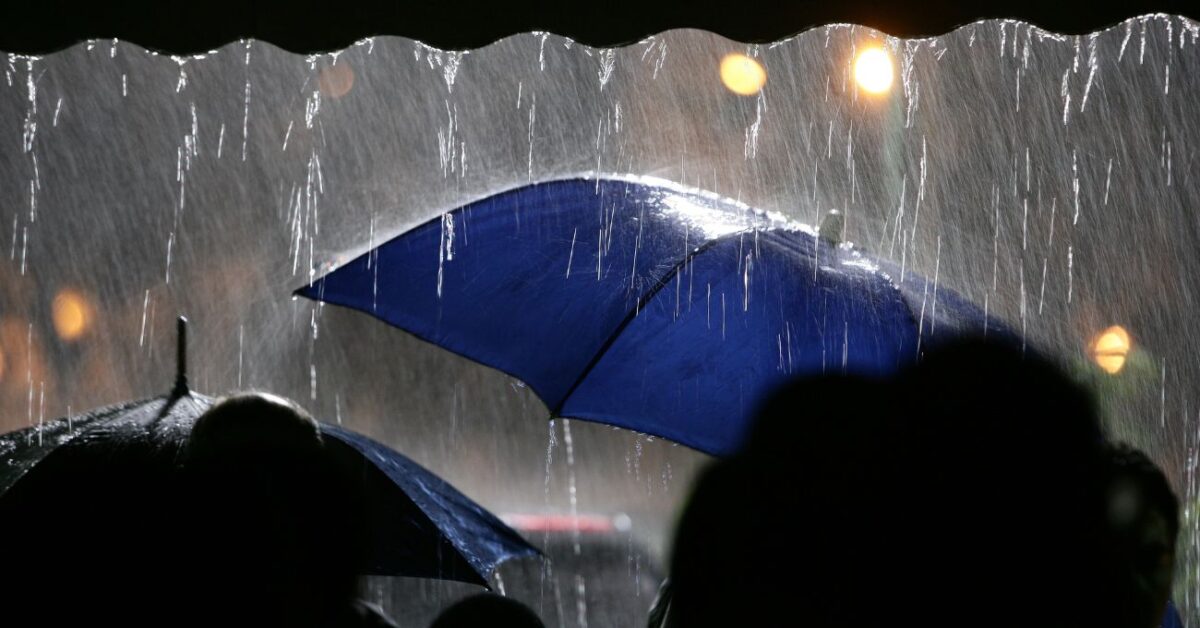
264, 424
487, 611
277, 522
1141, 514
996, 491
786, 528
965, 487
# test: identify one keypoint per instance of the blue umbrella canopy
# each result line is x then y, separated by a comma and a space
642, 304
418, 525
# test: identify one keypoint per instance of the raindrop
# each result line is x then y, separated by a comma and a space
571, 256
1108, 181
1070, 270
145, 308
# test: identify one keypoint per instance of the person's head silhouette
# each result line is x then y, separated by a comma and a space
782, 532
1000, 480
277, 523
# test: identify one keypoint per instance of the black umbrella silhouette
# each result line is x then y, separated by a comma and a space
89, 478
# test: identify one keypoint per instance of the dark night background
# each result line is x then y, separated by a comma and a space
311, 26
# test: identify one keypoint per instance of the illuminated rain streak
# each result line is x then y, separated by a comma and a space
1075, 184
607, 62
241, 354
532, 119
752, 131
446, 248
571, 255
29, 372
1108, 180
145, 309
246, 105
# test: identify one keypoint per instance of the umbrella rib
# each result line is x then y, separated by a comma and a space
632, 314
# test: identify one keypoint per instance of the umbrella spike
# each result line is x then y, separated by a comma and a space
181, 385
833, 227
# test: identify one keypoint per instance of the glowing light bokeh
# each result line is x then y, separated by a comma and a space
742, 75
873, 70
1111, 348
336, 80
71, 314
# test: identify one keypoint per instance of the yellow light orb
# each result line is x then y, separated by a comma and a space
742, 75
71, 315
873, 70
1110, 349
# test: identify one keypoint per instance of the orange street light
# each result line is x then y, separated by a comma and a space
1110, 348
71, 314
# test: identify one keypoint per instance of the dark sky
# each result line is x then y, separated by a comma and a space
39, 26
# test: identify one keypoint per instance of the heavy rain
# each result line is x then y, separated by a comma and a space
1050, 179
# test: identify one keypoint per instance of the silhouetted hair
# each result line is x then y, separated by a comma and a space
782, 531
278, 525
963, 490
487, 610
257, 422
998, 485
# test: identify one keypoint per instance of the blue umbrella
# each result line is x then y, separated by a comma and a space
123, 456
645, 305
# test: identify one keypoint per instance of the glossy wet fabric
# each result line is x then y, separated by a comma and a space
648, 306
121, 459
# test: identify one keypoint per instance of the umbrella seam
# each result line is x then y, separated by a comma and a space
629, 316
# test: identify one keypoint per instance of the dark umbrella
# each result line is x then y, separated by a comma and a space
120, 459
648, 306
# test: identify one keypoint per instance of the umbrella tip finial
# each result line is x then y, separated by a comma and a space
181, 385
833, 227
